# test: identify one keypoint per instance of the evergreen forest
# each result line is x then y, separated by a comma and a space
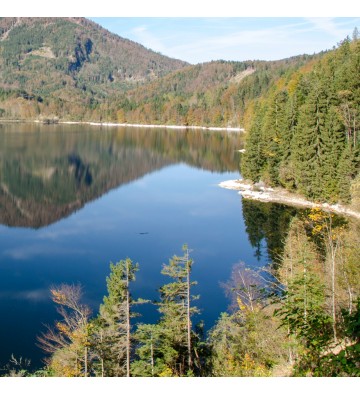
303, 134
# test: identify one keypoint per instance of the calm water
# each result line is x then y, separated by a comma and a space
74, 198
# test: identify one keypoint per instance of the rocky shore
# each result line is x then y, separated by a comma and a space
278, 195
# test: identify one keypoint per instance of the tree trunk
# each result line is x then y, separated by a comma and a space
127, 322
305, 293
85, 361
188, 310
152, 356
332, 248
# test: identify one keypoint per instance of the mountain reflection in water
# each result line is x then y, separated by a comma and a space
47, 172
75, 197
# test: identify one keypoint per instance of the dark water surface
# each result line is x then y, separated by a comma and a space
74, 198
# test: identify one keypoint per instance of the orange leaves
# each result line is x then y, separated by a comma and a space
78, 337
317, 229
317, 220
252, 368
293, 83
58, 297
241, 305
317, 215
280, 83
63, 369
63, 328
322, 224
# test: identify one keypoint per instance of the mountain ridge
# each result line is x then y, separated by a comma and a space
73, 69
62, 57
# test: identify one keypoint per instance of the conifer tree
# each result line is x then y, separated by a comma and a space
307, 143
253, 160
275, 129
176, 320
333, 142
303, 304
346, 171
305, 130
286, 167
114, 320
150, 360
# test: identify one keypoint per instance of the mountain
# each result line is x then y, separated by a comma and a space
62, 63
73, 69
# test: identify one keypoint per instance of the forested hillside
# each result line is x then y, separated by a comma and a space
303, 134
216, 93
57, 66
72, 69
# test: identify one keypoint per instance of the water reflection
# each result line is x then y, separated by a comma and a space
267, 225
48, 172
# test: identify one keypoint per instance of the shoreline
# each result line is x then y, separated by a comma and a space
281, 196
132, 125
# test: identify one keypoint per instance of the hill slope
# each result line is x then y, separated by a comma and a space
73, 69
57, 61
216, 93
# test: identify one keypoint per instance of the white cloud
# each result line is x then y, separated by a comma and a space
308, 35
34, 295
55, 234
28, 252
328, 26
143, 35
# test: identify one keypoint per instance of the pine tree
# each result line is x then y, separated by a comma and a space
253, 160
150, 360
303, 304
286, 167
307, 142
275, 129
346, 171
333, 143
114, 320
176, 320
302, 125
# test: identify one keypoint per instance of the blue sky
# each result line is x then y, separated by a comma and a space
203, 30
197, 40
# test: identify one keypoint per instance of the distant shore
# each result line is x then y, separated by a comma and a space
133, 125
278, 195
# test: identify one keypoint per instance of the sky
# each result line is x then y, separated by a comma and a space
202, 39
203, 30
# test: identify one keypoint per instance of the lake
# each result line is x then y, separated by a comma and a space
75, 197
